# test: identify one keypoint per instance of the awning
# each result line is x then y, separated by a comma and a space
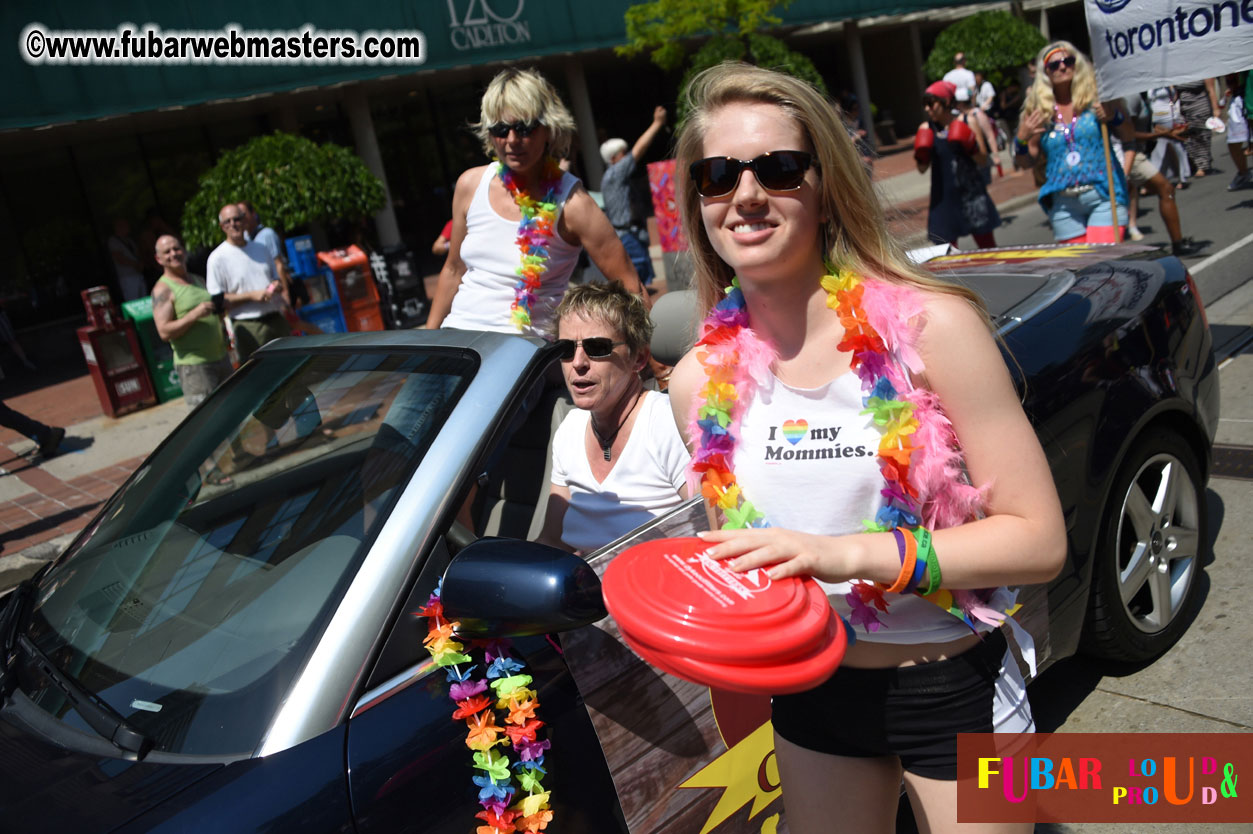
212, 41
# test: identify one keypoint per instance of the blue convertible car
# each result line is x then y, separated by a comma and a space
231, 644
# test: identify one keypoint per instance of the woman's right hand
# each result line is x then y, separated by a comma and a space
1033, 123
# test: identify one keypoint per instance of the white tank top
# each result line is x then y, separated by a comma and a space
807, 460
491, 256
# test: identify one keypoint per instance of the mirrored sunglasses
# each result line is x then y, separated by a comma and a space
501, 129
597, 347
1054, 66
776, 171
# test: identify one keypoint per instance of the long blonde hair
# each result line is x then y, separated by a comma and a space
855, 234
1083, 93
525, 95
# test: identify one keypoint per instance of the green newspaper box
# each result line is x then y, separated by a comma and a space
157, 353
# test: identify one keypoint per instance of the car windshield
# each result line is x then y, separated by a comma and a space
196, 595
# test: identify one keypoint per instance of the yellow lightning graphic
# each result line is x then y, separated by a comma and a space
736, 772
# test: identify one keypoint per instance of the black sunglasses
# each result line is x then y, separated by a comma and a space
776, 171
597, 347
1054, 66
500, 130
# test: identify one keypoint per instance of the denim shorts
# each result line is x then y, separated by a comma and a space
1074, 215
911, 712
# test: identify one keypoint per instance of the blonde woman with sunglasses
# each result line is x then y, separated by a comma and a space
519, 222
1060, 130
834, 403
618, 460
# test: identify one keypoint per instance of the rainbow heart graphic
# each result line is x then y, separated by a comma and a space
795, 430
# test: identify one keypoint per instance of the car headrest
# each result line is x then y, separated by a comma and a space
674, 325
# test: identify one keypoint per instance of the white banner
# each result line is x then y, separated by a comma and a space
1141, 44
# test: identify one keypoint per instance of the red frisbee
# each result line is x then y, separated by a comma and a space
744, 643
797, 675
693, 617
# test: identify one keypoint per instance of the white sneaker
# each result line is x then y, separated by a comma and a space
1134, 233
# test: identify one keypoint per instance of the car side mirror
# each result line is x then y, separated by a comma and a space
499, 587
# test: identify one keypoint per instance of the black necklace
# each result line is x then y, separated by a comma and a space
606, 444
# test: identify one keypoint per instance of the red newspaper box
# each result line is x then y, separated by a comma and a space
111, 348
358, 294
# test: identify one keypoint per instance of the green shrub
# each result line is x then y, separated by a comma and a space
289, 179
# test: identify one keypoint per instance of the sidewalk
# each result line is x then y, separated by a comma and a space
43, 504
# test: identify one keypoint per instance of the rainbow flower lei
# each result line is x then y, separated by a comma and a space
489, 740
535, 230
918, 453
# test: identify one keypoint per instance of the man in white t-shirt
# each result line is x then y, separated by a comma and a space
243, 272
961, 77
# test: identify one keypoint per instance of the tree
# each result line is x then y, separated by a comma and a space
289, 179
659, 27
994, 43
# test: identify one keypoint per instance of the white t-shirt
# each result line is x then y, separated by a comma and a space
807, 460
237, 269
643, 483
491, 256
987, 93
961, 77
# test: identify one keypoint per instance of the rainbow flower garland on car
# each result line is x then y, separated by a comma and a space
535, 230
491, 741
918, 453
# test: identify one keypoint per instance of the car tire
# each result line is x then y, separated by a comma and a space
1146, 574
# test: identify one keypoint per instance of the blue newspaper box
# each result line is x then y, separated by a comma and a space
300, 255
323, 309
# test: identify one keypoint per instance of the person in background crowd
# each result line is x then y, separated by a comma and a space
1198, 103
510, 259
1134, 132
1170, 127
126, 261
1061, 122
293, 291
979, 122
961, 77
789, 241
244, 273
985, 98
184, 314
615, 186
442, 241
850, 113
153, 227
618, 460
954, 150
1236, 110
1008, 104
47, 438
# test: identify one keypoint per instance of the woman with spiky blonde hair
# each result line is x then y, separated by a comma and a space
1060, 127
519, 222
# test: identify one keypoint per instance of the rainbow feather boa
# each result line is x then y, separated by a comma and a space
919, 456
535, 230
510, 691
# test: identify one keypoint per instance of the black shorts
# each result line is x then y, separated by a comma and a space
912, 712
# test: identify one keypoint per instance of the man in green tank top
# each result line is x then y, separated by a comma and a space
184, 314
